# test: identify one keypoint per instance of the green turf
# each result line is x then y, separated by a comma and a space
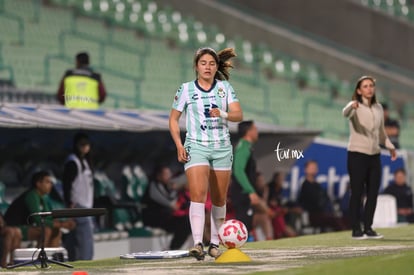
390, 263
329, 253
402, 235
401, 263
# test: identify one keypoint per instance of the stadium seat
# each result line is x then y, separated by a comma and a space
163, 38
398, 8
106, 196
134, 182
11, 174
386, 211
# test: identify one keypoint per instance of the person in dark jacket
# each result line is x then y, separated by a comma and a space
315, 200
404, 196
160, 206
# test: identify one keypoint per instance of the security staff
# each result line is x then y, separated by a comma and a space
81, 88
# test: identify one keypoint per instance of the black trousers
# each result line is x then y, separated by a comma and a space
365, 177
243, 211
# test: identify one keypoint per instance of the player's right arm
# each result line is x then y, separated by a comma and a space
349, 110
178, 106
175, 134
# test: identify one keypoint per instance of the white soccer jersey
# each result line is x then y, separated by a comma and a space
196, 102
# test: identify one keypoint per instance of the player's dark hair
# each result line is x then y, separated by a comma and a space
244, 126
80, 139
310, 161
222, 59
357, 96
400, 170
82, 58
39, 176
158, 169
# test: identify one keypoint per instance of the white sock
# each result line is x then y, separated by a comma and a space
197, 220
218, 214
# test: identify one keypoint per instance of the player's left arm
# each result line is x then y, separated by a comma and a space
235, 113
383, 139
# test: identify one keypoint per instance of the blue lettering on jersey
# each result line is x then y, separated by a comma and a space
207, 110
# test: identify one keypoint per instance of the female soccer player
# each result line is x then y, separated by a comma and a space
209, 102
366, 123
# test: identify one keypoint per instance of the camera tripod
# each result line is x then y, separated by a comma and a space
42, 257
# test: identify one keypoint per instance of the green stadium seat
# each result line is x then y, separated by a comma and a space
398, 8
106, 195
134, 183
163, 38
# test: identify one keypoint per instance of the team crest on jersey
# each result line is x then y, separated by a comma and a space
221, 93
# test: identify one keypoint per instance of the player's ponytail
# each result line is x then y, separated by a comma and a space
224, 63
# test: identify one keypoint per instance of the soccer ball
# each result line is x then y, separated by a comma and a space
233, 233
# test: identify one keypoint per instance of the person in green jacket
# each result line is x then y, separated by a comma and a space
244, 197
32, 201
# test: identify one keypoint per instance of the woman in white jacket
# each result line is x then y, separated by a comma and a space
366, 123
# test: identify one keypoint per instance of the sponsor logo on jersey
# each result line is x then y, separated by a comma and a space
218, 127
180, 89
208, 97
211, 127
